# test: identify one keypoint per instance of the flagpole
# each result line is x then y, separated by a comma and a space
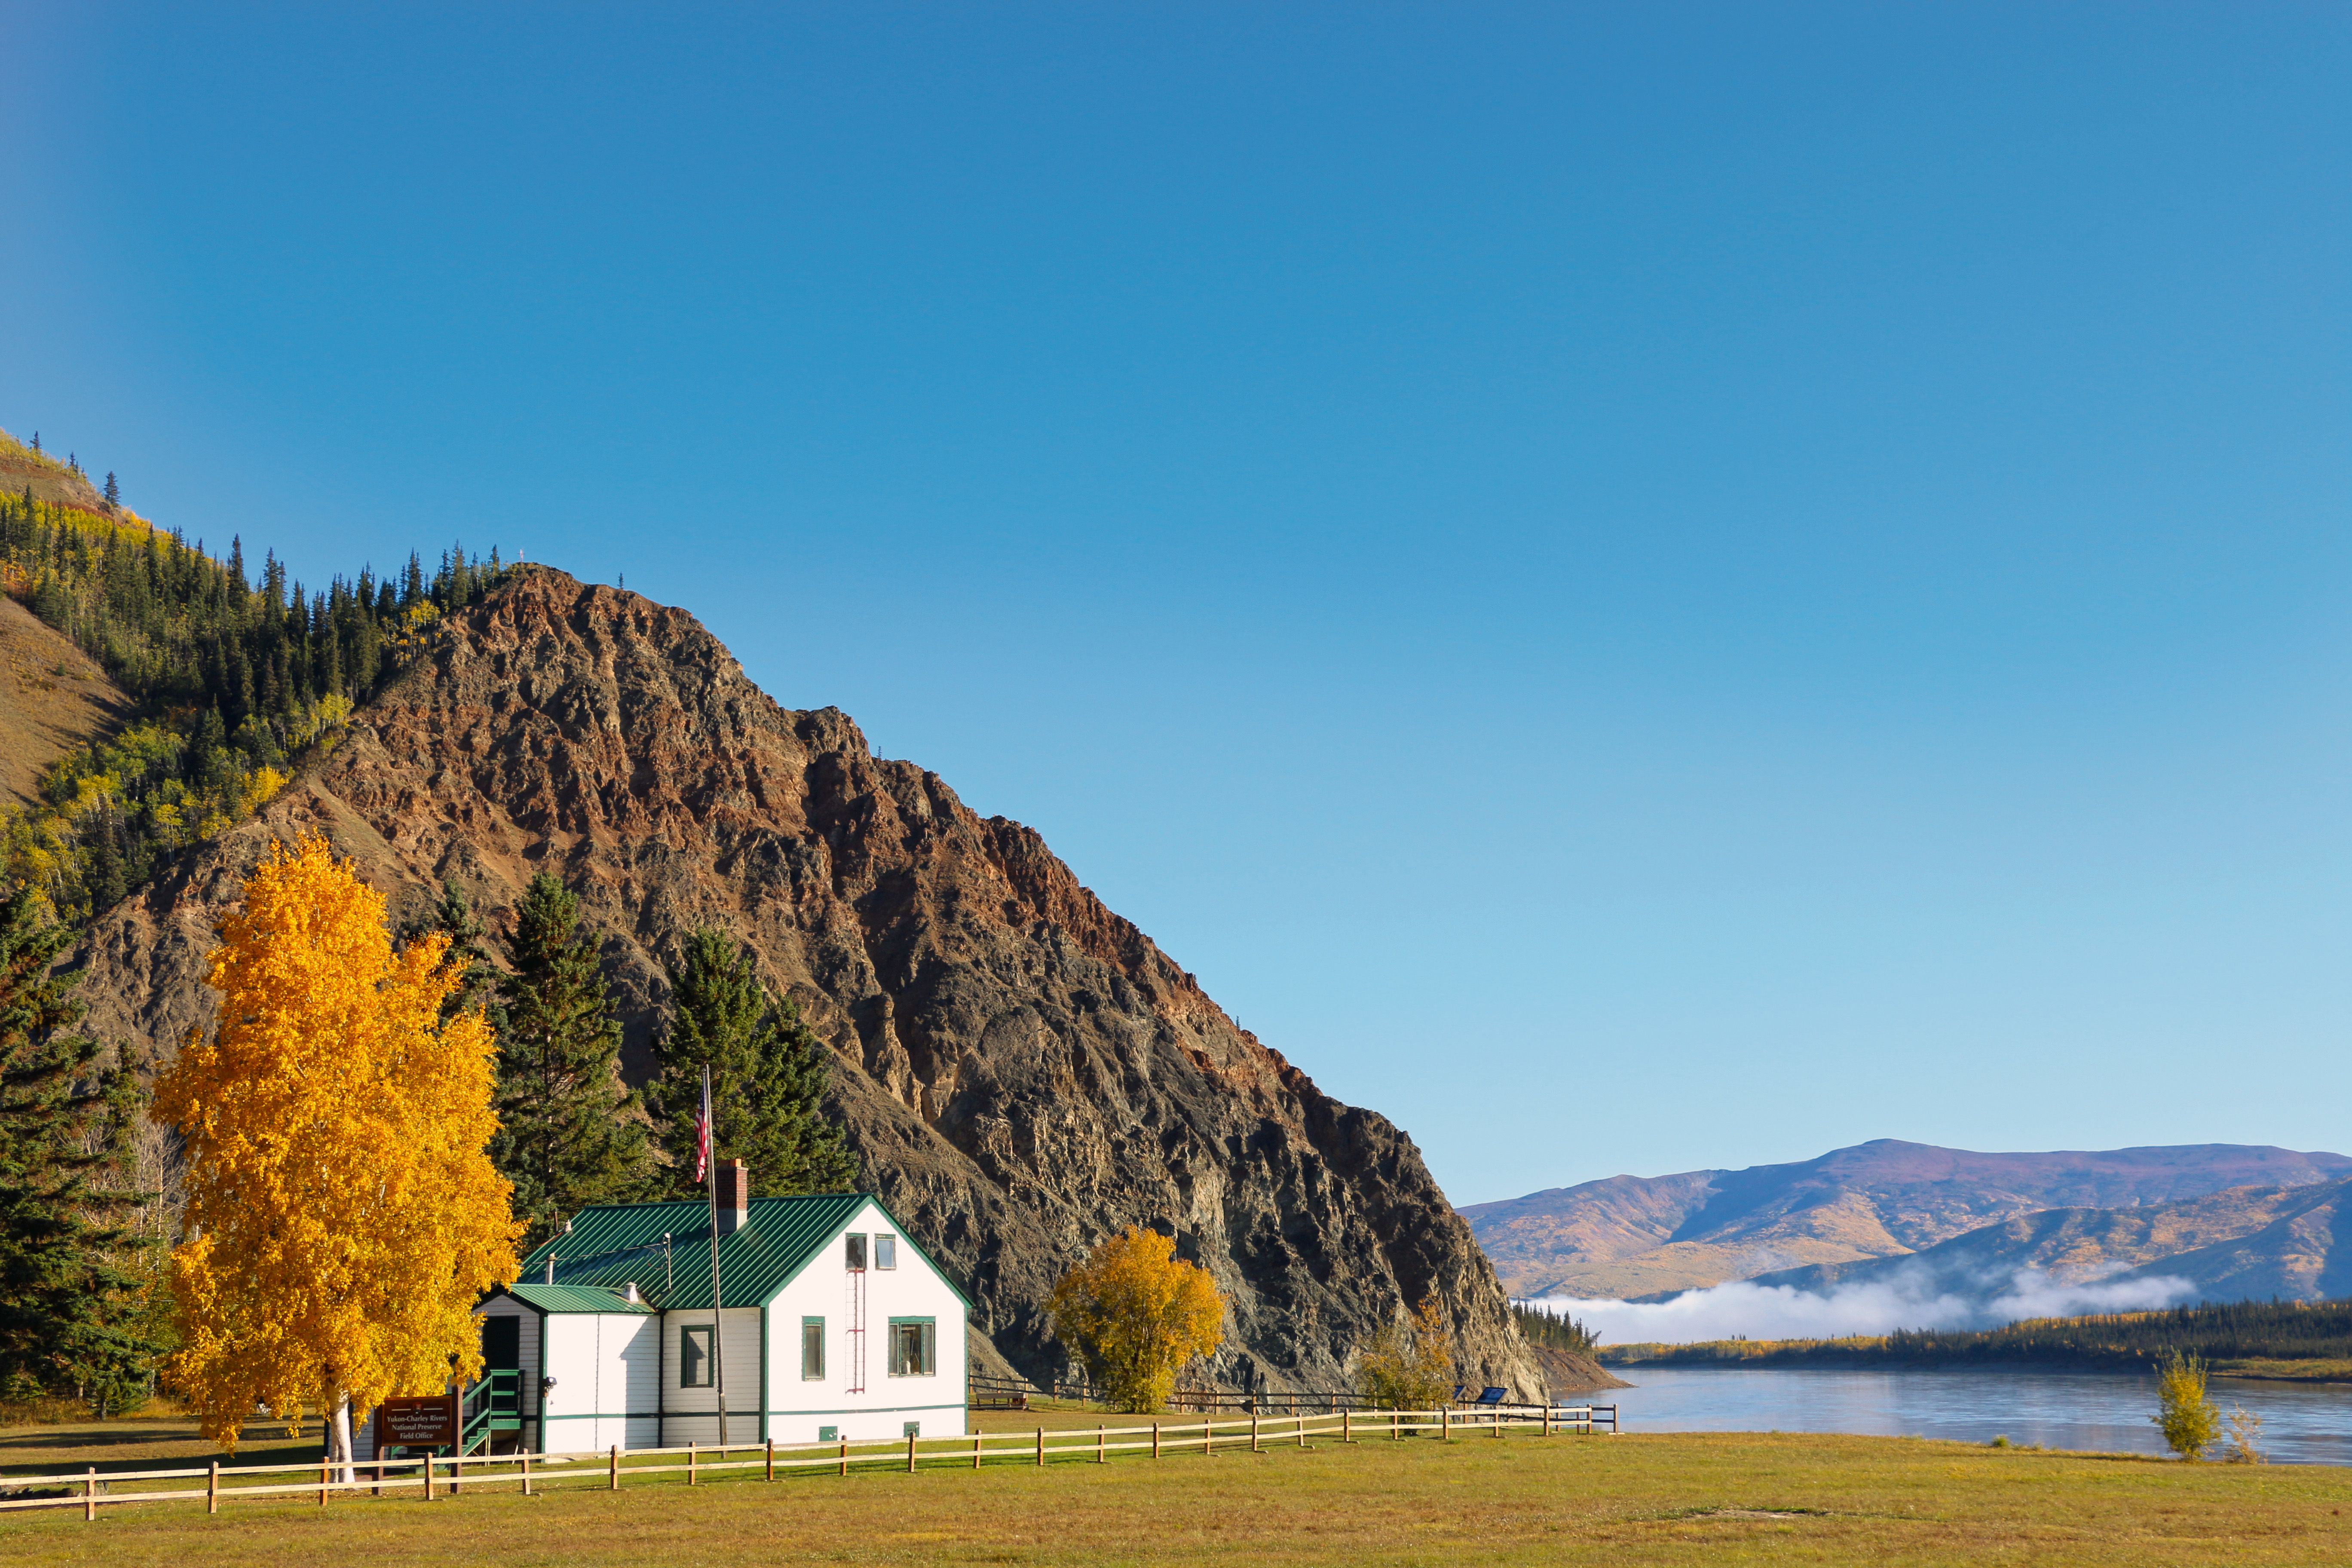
718, 1324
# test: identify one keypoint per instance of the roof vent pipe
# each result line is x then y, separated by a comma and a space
633, 1298
551, 1269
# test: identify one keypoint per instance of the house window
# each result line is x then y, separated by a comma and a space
812, 1348
855, 1254
694, 1357
886, 1252
912, 1343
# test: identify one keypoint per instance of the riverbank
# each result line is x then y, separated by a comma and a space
2301, 1342
1837, 1355
1740, 1499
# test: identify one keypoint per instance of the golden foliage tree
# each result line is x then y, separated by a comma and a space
1410, 1366
1136, 1314
2190, 1420
342, 1215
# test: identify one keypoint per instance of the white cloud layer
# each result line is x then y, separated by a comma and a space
1907, 1299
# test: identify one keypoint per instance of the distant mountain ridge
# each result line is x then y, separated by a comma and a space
1629, 1237
2238, 1244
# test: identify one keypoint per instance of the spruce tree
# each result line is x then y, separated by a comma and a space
768, 1073
569, 1135
67, 1305
479, 980
113, 491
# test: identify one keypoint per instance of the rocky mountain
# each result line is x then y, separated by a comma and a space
1629, 1237
2238, 1242
1020, 1070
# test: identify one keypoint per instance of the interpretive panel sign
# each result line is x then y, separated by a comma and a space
428, 1421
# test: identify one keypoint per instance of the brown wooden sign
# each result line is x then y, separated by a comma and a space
429, 1421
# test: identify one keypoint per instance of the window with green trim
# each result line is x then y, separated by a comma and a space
812, 1348
694, 1357
913, 1346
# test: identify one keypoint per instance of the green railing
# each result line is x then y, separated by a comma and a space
493, 1404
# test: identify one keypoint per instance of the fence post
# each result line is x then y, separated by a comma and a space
526, 1472
1209, 1436
1547, 1431
1396, 1425
612, 1468
1040, 1447
693, 1452
772, 1459
844, 1455
322, 1483
90, 1494
428, 1477
1255, 1446
1155, 1439
1099, 1455
1446, 1423
1345, 1427
1499, 1421
212, 1489
911, 1453
975, 1450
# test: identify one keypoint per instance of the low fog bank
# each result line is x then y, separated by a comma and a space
1913, 1300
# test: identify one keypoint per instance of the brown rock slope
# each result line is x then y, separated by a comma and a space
1022, 1070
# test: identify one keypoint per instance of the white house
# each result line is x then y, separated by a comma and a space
834, 1324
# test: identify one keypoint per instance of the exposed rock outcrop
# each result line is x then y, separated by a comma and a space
1022, 1070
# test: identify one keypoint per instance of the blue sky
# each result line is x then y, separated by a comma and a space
1637, 588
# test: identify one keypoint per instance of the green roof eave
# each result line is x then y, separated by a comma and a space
576, 1299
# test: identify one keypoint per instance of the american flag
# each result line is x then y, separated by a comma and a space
702, 1131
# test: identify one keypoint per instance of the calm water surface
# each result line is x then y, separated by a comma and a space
2301, 1423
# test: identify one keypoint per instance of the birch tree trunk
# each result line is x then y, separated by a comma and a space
339, 1439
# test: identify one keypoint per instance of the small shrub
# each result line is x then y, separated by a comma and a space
2245, 1437
2191, 1422
1410, 1366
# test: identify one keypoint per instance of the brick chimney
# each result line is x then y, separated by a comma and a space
734, 1196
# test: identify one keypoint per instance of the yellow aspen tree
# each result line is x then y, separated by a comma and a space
1136, 1313
343, 1213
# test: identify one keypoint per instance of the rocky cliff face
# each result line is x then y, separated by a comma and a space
1022, 1071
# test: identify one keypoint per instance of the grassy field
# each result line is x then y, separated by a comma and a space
1712, 1498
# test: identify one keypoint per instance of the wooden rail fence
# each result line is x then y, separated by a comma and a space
613, 1468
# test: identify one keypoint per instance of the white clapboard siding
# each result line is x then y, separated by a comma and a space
570, 1412
800, 1410
691, 1415
632, 1363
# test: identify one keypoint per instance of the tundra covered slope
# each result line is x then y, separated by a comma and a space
1634, 1236
1022, 1071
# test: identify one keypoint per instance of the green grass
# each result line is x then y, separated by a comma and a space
1711, 1499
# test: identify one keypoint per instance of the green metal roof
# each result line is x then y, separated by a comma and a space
575, 1297
615, 1244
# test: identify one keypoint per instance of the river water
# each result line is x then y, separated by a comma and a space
2301, 1423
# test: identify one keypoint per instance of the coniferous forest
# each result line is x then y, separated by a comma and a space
234, 676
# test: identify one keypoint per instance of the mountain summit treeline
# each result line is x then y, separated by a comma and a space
231, 675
